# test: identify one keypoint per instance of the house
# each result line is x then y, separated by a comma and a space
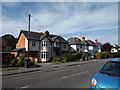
42, 46
84, 46
91, 47
115, 48
75, 44
99, 46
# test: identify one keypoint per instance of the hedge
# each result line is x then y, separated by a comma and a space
76, 56
102, 55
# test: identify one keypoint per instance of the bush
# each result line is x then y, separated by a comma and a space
76, 56
98, 55
6, 61
113, 55
105, 55
20, 60
83, 57
55, 59
66, 57
102, 55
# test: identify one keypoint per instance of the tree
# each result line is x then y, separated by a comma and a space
107, 47
10, 41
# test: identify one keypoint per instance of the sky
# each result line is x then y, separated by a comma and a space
93, 20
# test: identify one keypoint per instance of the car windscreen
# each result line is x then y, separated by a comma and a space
111, 68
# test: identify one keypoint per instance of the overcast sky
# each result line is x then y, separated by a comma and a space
93, 20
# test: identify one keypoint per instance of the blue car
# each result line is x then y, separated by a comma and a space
108, 77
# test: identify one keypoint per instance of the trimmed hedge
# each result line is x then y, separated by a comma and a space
76, 56
102, 55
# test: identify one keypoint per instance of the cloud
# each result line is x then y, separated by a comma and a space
63, 18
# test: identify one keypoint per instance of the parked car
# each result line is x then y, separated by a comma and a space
108, 77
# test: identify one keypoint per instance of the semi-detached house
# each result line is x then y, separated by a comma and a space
84, 46
43, 46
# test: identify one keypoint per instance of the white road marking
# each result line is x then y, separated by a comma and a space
23, 87
74, 74
65, 77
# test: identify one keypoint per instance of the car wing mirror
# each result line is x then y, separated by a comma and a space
100, 68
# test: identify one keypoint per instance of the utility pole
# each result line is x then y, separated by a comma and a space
29, 35
27, 60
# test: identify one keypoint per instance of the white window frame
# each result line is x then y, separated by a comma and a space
44, 55
44, 43
33, 43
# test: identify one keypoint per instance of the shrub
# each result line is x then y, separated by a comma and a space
83, 57
102, 55
21, 60
98, 55
6, 61
113, 55
105, 55
66, 57
76, 56
55, 59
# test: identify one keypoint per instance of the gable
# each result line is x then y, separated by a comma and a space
57, 40
21, 41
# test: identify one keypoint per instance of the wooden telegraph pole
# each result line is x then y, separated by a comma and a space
29, 36
27, 60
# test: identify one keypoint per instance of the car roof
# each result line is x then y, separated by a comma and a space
115, 60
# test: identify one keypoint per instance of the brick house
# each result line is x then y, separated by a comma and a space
43, 46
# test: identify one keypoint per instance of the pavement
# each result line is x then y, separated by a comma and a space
44, 66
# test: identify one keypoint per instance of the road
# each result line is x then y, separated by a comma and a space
78, 76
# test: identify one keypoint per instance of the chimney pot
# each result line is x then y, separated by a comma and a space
83, 38
96, 41
47, 33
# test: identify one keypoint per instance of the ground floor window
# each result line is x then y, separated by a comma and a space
44, 54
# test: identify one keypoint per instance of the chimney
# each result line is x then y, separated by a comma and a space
83, 38
47, 33
96, 41
41, 32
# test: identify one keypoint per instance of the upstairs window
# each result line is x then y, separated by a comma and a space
18, 45
64, 45
44, 43
33, 43
56, 44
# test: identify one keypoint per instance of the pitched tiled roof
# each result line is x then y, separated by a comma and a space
33, 35
39, 36
74, 41
83, 42
98, 44
90, 43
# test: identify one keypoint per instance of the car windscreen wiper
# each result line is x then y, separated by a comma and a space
110, 74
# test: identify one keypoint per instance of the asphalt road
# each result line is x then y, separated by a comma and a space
78, 76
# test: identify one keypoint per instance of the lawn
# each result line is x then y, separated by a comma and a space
11, 68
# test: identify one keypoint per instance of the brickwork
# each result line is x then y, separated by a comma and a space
21, 41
